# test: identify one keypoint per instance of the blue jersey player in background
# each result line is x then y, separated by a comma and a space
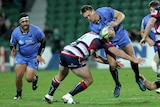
153, 21
30, 41
151, 38
102, 17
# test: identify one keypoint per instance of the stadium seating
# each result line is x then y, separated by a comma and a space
65, 15
12, 12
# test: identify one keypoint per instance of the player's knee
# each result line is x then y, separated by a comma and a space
88, 81
29, 79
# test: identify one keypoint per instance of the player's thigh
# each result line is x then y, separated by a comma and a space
84, 73
20, 70
128, 49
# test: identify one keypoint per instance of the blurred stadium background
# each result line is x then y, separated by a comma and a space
63, 17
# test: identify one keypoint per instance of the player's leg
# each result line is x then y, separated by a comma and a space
31, 76
114, 73
130, 51
20, 69
156, 67
87, 79
63, 72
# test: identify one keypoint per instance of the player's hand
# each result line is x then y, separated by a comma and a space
113, 24
142, 41
40, 59
139, 60
13, 52
119, 64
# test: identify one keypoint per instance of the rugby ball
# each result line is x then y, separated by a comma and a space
104, 32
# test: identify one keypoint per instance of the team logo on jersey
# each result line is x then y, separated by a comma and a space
30, 35
21, 42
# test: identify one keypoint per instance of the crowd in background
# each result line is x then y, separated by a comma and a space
6, 27
54, 37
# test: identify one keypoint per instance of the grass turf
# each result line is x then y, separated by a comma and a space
99, 94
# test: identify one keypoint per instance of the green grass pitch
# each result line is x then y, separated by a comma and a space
99, 94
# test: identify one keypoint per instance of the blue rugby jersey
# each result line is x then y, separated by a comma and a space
28, 43
107, 15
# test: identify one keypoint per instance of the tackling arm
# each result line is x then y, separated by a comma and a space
99, 59
149, 85
123, 55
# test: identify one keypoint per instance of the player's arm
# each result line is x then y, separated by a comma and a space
103, 60
152, 20
149, 85
42, 46
123, 55
119, 16
148, 39
99, 59
41, 50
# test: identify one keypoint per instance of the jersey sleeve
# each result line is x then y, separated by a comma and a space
143, 24
13, 40
40, 35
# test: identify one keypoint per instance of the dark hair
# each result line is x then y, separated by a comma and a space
84, 8
154, 3
22, 15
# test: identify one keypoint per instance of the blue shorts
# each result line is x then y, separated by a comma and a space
70, 61
30, 62
121, 39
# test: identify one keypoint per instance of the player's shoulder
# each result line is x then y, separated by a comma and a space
146, 17
35, 28
104, 9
